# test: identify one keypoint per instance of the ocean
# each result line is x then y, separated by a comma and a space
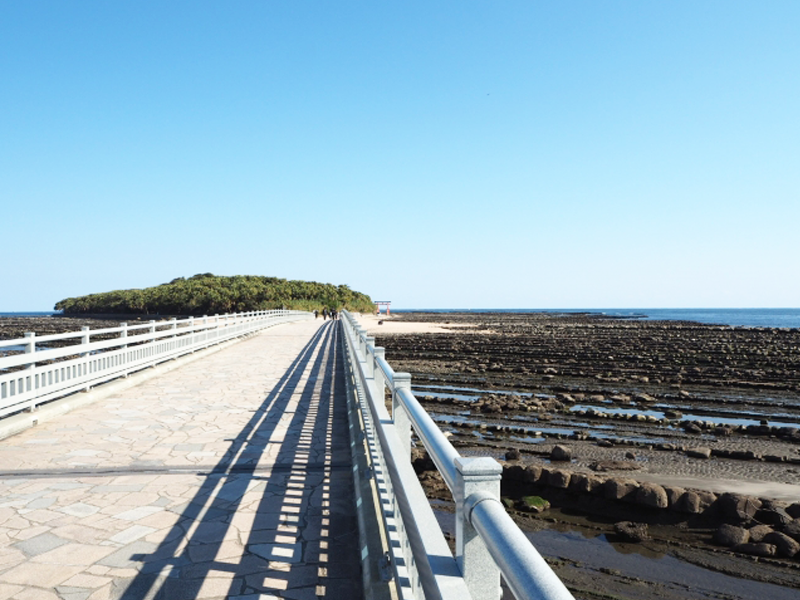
735, 317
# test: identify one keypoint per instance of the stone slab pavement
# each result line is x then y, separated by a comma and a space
229, 477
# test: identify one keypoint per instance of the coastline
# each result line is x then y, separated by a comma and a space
701, 412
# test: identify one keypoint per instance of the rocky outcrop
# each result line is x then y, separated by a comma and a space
629, 531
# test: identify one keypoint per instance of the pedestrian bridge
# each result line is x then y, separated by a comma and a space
247, 456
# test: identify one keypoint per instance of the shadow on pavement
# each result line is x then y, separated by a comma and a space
301, 540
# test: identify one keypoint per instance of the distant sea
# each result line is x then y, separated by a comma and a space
29, 314
735, 317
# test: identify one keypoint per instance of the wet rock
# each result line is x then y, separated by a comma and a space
631, 532
614, 465
792, 529
620, 489
743, 455
731, 535
793, 510
643, 398
759, 549
785, 545
534, 504
737, 508
652, 495
692, 428
700, 452
758, 532
513, 454
773, 516
630, 455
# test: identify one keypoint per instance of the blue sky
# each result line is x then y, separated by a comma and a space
451, 154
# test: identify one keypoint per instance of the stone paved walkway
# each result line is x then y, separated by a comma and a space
229, 477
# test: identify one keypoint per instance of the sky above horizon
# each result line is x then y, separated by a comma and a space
515, 154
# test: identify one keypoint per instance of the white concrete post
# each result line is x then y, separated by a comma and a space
30, 348
370, 366
191, 332
174, 326
402, 424
85, 354
380, 379
481, 573
124, 334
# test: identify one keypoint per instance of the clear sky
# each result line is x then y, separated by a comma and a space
436, 154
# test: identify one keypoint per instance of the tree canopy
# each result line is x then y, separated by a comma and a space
208, 294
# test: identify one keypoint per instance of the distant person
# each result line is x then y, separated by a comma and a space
325, 313
316, 313
333, 314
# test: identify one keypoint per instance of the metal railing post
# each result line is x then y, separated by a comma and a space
402, 424
480, 572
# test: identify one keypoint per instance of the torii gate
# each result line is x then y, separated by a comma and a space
386, 303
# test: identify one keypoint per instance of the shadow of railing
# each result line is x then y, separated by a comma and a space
303, 531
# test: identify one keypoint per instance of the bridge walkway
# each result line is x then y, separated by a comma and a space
229, 477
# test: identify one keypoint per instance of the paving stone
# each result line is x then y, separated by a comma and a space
236, 412
40, 544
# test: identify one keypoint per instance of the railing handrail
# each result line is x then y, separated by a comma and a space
479, 510
33, 377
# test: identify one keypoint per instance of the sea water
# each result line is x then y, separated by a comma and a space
734, 317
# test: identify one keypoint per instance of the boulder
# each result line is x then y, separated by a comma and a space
614, 465
743, 455
731, 535
534, 504
792, 529
513, 472
652, 495
793, 510
700, 452
759, 532
773, 516
583, 483
559, 478
785, 546
561, 453
631, 532
531, 473
513, 454
619, 489
674, 494
695, 502
736, 508
760, 549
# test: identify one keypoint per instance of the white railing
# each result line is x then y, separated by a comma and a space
488, 542
41, 374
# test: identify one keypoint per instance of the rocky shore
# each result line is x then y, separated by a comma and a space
676, 436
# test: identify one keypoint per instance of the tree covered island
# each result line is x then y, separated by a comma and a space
208, 294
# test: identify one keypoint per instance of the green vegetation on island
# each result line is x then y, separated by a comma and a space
207, 294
